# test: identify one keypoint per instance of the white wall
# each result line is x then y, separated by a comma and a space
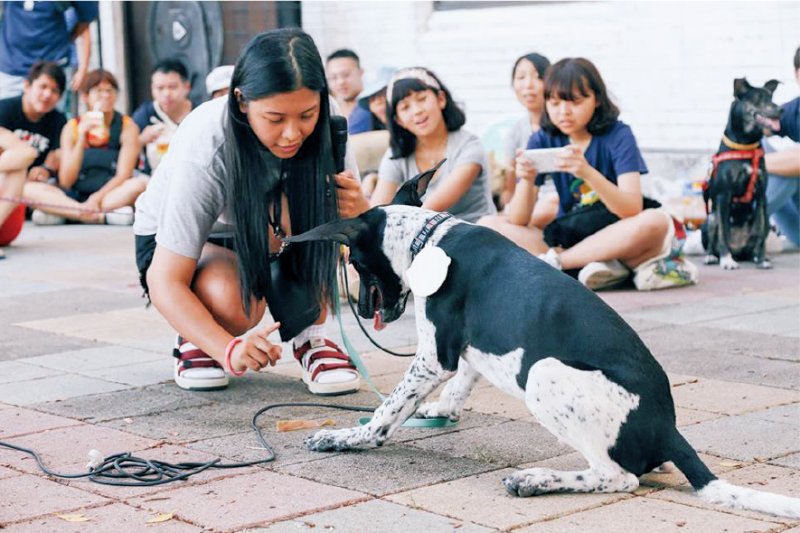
669, 65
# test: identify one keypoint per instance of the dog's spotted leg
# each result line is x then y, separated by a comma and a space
424, 375
585, 410
455, 393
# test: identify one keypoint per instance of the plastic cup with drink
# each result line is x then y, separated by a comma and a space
98, 134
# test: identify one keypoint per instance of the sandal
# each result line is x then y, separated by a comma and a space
327, 370
195, 370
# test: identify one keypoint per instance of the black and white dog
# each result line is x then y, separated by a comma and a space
738, 225
487, 307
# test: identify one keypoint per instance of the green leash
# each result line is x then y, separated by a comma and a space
438, 422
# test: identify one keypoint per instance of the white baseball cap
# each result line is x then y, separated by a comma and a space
219, 78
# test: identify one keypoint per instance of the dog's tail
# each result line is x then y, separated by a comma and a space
721, 492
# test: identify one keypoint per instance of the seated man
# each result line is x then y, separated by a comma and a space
33, 117
344, 73
159, 118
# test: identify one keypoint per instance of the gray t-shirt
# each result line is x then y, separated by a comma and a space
186, 197
462, 147
517, 137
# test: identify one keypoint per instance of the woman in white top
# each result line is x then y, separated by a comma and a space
425, 127
261, 161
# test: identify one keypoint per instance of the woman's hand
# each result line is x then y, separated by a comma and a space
86, 123
351, 198
151, 133
39, 173
524, 169
572, 160
255, 351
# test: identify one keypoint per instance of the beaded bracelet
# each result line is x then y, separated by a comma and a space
228, 352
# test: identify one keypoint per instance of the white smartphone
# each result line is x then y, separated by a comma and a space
544, 159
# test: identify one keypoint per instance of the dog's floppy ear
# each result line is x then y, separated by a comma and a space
413, 190
771, 85
343, 231
428, 271
740, 86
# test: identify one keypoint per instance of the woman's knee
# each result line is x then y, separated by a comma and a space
494, 222
652, 225
216, 284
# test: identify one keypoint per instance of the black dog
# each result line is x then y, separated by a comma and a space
738, 226
487, 307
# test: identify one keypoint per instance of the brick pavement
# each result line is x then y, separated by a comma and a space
84, 365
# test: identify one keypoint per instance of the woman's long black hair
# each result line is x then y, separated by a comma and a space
402, 142
274, 62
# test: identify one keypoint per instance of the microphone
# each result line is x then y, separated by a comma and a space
339, 140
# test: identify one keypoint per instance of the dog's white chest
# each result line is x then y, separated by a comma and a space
499, 370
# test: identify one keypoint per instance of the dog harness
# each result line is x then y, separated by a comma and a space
426, 232
739, 152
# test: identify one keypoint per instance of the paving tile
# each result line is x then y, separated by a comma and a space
54, 304
506, 444
652, 516
19, 342
113, 517
744, 437
391, 468
7, 472
15, 421
12, 371
69, 446
687, 417
725, 397
759, 477
483, 500
138, 375
101, 357
134, 327
54, 388
789, 461
51, 497
128, 403
374, 515
248, 500
726, 311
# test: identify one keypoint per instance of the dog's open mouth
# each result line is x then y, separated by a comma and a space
773, 123
376, 302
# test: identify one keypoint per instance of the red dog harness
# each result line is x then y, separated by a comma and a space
752, 152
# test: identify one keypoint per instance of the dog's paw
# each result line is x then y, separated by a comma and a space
764, 264
521, 484
432, 410
710, 259
331, 440
728, 263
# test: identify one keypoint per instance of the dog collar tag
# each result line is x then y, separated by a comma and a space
428, 271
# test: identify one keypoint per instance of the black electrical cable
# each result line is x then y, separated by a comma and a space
148, 472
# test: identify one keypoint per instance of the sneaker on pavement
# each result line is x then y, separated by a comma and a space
551, 258
603, 274
327, 370
120, 217
195, 370
41, 218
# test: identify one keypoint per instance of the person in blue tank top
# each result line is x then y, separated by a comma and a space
599, 162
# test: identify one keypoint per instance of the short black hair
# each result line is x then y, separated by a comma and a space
540, 63
171, 64
343, 53
797, 58
577, 74
48, 68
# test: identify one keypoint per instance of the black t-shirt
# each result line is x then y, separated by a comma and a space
44, 135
